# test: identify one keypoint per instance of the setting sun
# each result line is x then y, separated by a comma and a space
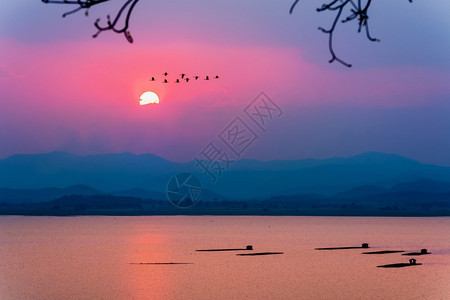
149, 98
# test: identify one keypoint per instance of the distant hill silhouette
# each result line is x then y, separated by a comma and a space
207, 195
93, 202
133, 175
336, 175
423, 185
19, 196
40, 195
106, 172
362, 191
389, 204
140, 193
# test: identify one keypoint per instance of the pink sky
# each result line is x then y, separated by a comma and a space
80, 95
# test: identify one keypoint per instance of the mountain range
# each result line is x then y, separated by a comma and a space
127, 184
147, 176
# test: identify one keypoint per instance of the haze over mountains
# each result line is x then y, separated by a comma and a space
147, 175
127, 184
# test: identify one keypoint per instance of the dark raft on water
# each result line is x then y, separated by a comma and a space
259, 253
422, 252
248, 248
384, 252
363, 246
412, 262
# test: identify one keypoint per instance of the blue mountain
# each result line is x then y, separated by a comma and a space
246, 179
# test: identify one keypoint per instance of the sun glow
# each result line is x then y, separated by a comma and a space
149, 98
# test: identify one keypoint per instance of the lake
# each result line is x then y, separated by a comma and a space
90, 258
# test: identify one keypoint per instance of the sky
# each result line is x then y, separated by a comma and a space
62, 90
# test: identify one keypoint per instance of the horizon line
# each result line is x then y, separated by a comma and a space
240, 159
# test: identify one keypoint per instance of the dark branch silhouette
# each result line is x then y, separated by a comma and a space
358, 12
81, 5
128, 6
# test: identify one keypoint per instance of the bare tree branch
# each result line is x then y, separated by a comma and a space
293, 6
358, 12
86, 4
128, 6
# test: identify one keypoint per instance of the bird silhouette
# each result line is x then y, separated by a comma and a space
185, 78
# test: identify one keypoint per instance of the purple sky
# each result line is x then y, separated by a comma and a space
62, 90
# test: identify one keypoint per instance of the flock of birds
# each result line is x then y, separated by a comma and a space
184, 78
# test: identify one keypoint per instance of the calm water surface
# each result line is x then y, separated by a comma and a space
89, 258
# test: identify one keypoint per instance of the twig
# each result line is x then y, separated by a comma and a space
86, 4
358, 12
